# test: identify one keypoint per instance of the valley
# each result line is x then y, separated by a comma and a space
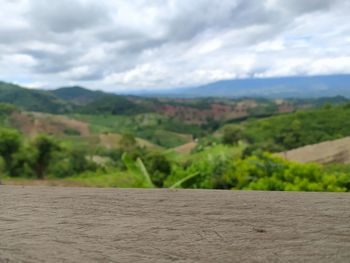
80, 137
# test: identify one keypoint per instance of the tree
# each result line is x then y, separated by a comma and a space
23, 164
290, 137
10, 143
45, 146
232, 134
68, 162
127, 142
159, 167
6, 109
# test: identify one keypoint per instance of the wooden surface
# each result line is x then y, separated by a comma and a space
43, 224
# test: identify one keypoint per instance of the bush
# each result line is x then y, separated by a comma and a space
232, 135
45, 147
159, 168
268, 172
24, 162
71, 162
10, 143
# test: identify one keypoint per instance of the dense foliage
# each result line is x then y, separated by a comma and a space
297, 129
212, 167
41, 157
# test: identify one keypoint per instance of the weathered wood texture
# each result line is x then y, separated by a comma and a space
42, 224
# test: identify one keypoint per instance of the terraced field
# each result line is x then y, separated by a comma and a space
43, 224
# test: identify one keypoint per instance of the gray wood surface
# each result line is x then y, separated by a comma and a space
43, 224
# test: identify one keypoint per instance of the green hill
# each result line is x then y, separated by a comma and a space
78, 95
32, 100
304, 127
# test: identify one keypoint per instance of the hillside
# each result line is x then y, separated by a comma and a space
70, 130
78, 95
209, 113
112, 104
293, 130
32, 100
210, 143
329, 152
151, 150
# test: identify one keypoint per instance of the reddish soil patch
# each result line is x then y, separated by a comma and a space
35, 123
284, 106
186, 148
216, 112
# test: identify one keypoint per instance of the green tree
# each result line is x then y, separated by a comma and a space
159, 168
69, 162
6, 108
232, 134
10, 143
45, 146
127, 142
290, 137
23, 164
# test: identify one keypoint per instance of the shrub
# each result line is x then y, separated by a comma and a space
10, 143
158, 166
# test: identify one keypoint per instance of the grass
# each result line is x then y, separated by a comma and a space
46, 182
111, 178
107, 179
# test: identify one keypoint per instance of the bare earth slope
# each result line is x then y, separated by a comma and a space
336, 151
42, 224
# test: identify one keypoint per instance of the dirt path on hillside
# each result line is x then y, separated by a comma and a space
43, 224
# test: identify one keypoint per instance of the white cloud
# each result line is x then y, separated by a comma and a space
121, 45
338, 65
209, 46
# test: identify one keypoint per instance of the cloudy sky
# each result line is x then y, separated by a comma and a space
154, 44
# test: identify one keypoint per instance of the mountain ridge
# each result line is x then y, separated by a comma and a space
275, 87
78, 94
32, 100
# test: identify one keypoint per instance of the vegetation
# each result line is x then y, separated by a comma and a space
116, 141
32, 100
115, 105
231, 135
77, 95
149, 126
294, 130
10, 142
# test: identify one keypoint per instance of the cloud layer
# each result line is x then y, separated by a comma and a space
138, 44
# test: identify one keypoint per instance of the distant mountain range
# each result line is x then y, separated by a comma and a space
80, 99
164, 112
282, 87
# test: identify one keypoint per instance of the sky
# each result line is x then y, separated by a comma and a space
129, 45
